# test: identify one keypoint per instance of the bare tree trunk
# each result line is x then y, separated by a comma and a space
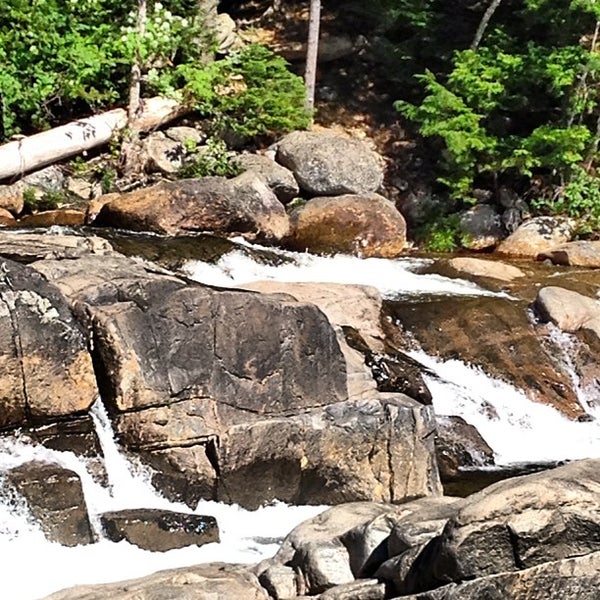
130, 145
135, 83
485, 20
207, 13
312, 52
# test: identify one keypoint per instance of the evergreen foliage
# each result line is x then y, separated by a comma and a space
521, 109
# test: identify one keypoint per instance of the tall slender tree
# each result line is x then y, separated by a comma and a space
312, 52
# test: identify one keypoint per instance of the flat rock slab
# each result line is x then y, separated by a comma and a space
159, 530
203, 582
583, 253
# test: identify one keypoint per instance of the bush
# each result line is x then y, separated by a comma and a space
212, 159
250, 93
60, 59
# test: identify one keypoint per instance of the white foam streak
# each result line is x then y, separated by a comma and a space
393, 278
517, 429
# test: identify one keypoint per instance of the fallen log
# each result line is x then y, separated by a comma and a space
36, 151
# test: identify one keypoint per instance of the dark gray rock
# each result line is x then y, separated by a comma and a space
278, 178
576, 578
459, 445
55, 499
481, 226
159, 530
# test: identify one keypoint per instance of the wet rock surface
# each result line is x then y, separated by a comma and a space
159, 530
499, 335
55, 498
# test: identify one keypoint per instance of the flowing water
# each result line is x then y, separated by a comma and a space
32, 567
518, 430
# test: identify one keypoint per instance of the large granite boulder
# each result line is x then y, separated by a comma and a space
328, 164
45, 369
365, 225
159, 530
536, 236
241, 396
513, 525
55, 499
576, 578
243, 205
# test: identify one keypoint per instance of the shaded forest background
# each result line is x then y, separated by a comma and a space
474, 100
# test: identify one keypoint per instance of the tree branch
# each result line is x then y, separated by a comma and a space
485, 20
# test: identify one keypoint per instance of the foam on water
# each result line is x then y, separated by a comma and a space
246, 536
517, 429
393, 278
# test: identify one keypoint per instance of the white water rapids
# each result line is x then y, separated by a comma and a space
517, 429
32, 567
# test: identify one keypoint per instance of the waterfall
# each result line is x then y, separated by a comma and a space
246, 536
517, 429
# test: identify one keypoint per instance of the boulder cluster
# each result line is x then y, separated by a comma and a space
531, 537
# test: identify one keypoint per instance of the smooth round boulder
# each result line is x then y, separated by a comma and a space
536, 236
568, 310
328, 164
366, 225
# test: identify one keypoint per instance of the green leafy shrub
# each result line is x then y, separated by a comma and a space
60, 59
578, 199
443, 234
212, 159
250, 93
34, 200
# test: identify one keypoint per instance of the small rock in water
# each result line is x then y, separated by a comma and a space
159, 530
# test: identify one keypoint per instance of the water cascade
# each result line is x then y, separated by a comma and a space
517, 429
34, 567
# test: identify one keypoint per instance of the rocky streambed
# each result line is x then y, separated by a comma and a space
306, 393
387, 396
